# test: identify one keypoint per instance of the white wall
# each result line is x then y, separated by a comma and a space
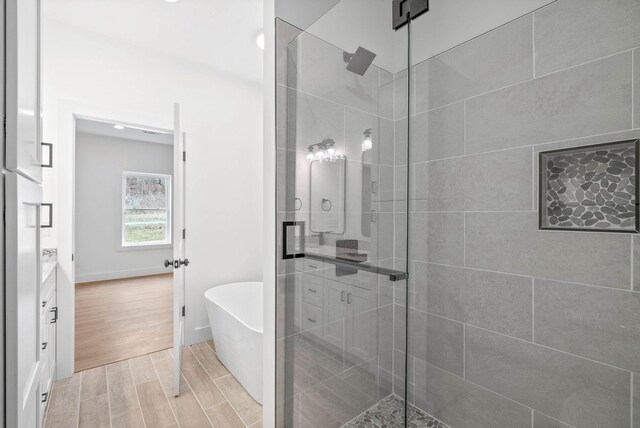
92, 75
100, 162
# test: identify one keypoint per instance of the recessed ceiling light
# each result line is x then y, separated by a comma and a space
118, 127
260, 41
171, 1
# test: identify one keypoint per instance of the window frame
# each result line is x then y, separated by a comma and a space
155, 244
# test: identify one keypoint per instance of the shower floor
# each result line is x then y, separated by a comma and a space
389, 413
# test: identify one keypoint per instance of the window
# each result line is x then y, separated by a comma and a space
146, 209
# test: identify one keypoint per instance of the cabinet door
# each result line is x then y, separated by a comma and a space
362, 331
53, 345
23, 99
23, 303
334, 313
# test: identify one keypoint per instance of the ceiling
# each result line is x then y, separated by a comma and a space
106, 129
216, 33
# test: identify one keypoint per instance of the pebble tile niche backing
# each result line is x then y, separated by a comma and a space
590, 188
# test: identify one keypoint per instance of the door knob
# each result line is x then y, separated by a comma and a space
176, 263
168, 263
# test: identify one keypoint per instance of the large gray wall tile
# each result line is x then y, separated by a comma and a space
512, 243
499, 181
591, 99
571, 389
437, 238
461, 404
438, 133
598, 323
445, 344
636, 87
636, 263
494, 60
568, 33
287, 53
495, 301
542, 421
323, 73
304, 119
387, 97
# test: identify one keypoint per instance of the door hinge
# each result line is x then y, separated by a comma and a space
183, 311
184, 156
184, 233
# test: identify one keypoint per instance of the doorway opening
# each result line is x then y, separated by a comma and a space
123, 219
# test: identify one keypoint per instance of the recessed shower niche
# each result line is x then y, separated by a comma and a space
590, 188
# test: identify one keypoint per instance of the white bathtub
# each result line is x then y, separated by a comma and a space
235, 316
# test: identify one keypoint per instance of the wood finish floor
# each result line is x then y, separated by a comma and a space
121, 319
137, 393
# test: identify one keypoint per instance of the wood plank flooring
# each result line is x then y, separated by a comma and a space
121, 319
137, 393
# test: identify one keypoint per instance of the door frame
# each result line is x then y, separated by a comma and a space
65, 153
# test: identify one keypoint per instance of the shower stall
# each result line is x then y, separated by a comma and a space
457, 210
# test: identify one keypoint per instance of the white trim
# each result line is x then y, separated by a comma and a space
67, 113
132, 273
168, 193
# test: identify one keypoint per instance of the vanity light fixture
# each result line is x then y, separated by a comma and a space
323, 151
118, 127
367, 143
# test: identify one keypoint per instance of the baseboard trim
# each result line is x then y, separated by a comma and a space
104, 276
200, 334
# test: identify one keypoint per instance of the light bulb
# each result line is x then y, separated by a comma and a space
331, 150
310, 156
367, 143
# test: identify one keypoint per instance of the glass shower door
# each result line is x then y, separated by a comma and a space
342, 273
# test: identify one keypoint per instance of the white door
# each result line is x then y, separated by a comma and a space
179, 258
23, 148
22, 305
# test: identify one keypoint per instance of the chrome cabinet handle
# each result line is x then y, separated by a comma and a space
54, 310
45, 396
312, 320
342, 296
44, 345
311, 290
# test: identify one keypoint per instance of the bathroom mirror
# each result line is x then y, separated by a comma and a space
327, 196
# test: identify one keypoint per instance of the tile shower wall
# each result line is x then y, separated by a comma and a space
511, 326
336, 359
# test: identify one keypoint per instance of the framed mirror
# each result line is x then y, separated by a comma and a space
327, 195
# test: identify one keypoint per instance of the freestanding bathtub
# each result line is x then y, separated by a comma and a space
235, 316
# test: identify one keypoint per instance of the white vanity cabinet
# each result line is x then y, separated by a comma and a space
48, 323
340, 314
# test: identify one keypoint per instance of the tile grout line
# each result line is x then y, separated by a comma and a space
631, 263
155, 370
79, 395
217, 386
528, 276
108, 397
464, 351
135, 388
631, 392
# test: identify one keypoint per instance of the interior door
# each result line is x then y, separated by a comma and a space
179, 258
24, 152
22, 305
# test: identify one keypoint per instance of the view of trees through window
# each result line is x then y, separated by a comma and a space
146, 209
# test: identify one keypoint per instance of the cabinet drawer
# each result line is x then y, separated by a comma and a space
313, 289
313, 267
311, 317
